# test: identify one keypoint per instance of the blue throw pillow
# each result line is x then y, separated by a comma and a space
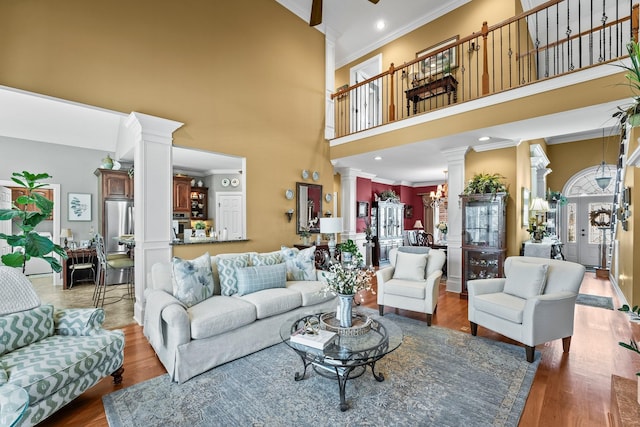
254, 279
193, 279
228, 273
301, 265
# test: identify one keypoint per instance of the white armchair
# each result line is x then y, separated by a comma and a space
412, 281
533, 304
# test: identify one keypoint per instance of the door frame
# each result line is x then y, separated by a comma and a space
243, 219
369, 68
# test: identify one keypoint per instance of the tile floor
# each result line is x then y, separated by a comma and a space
118, 306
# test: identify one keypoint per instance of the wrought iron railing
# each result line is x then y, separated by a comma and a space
553, 39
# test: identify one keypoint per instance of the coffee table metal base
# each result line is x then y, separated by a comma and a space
342, 373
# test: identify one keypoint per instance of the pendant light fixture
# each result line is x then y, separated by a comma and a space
604, 178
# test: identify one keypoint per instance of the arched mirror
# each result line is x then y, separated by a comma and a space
309, 208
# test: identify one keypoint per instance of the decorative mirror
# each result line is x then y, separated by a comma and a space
309, 209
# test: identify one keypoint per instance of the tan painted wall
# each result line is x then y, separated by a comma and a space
504, 162
246, 77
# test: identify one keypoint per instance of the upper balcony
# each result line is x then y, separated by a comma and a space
557, 38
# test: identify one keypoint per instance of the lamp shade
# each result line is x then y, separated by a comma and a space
330, 225
539, 205
66, 233
418, 224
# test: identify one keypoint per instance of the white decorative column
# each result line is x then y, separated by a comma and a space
330, 83
151, 138
455, 166
348, 179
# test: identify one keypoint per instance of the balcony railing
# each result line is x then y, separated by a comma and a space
553, 39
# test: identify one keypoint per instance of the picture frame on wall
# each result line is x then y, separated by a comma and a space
408, 211
363, 209
442, 62
79, 206
526, 200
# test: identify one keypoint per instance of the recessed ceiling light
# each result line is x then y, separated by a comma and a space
377, 158
380, 24
484, 138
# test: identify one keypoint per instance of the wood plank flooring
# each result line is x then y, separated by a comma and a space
568, 390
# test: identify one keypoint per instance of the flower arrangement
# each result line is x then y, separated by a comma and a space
347, 281
305, 230
389, 195
537, 229
442, 227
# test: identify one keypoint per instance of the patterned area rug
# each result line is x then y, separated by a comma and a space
595, 301
438, 377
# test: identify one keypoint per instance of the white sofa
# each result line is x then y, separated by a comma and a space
190, 341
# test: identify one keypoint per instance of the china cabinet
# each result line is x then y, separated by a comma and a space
483, 236
387, 223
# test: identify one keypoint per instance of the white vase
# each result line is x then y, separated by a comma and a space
346, 308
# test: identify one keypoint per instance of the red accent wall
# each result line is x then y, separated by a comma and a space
365, 189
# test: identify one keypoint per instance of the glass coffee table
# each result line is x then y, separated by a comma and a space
348, 356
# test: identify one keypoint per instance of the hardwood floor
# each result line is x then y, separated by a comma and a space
569, 389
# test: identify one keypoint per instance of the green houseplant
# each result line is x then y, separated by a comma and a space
631, 113
33, 244
350, 247
485, 183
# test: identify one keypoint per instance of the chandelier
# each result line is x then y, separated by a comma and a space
605, 174
438, 196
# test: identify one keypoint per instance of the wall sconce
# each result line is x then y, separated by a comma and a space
289, 214
328, 214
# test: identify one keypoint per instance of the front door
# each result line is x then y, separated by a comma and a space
583, 239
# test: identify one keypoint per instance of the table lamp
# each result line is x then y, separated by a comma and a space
418, 225
66, 233
331, 226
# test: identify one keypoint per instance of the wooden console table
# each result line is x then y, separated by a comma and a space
444, 85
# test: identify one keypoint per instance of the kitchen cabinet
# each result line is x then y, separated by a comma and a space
483, 236
19, 191
198, 199
387, 219
182, 194
115, 184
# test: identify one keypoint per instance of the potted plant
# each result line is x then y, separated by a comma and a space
484, 183
348, 251
389, 195
32, 243
201, 229
631, 113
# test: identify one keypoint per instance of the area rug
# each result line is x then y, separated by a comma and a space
438, 377
595, 301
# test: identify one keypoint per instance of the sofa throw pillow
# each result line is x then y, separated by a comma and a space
254, 279
193, 279
269, 258
525, 280
410, 266
25, 327
228, 273
301, 265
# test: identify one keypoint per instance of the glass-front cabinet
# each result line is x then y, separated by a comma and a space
388, 226
483, 236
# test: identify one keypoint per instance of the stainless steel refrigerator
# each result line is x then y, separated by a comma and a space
118, 221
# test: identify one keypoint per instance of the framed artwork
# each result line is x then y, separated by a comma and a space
442, 62
363, 209
526, 196
408, 211
79, 206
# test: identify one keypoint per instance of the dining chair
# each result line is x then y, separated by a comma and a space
82, 260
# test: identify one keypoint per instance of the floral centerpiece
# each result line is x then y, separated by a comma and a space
537, 229
346, 282
443, 229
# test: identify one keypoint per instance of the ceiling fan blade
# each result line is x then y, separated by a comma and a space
374, 1
316, 13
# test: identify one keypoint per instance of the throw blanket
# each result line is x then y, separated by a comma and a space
156, 302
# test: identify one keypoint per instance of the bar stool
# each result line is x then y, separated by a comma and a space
118, 262
82, 260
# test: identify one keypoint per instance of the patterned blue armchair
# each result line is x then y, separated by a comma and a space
54, 355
